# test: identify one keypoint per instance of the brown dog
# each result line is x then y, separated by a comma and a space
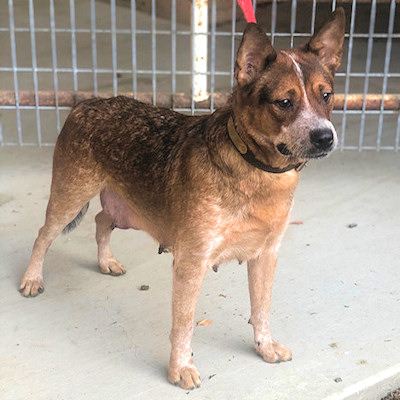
211, 188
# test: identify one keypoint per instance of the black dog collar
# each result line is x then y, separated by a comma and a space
249, 156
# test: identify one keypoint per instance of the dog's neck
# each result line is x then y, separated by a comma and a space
245, 151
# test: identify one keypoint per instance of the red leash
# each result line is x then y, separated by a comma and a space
248, 10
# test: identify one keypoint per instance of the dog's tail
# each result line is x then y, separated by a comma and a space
77, 220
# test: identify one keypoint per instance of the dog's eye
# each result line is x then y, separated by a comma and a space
283, 104
327, 97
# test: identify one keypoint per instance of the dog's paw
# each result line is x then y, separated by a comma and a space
185, 376
112, 267
31, 286
273, 352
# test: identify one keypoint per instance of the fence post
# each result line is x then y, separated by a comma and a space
200, 49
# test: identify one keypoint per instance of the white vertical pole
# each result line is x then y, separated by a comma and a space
200, 48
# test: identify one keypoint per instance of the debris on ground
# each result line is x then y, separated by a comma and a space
296, 223
338, 379
352, 225
204, 322
144, 287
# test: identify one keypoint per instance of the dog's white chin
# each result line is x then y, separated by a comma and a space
319, 156
315, 156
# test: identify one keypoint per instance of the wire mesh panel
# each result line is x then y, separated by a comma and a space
181, 54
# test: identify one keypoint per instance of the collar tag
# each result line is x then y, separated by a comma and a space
301, 166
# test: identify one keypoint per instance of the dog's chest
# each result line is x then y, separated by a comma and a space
257, 226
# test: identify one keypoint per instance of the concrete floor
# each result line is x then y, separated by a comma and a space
336, 298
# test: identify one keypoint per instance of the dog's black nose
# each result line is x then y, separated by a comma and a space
322, 138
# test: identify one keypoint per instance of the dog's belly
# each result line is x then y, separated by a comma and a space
120, 211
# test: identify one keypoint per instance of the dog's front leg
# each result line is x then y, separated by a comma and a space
261, 275
187, 279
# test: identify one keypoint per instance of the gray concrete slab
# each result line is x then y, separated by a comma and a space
336, 298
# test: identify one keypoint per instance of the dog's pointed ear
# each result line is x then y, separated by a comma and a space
254, 54
327, 43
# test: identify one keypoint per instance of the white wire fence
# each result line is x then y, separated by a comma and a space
181, 54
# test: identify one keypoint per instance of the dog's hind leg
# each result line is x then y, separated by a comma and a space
107, 263
69, 195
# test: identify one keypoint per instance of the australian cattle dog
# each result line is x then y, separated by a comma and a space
209, 188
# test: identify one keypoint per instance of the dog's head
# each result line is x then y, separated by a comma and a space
284, 99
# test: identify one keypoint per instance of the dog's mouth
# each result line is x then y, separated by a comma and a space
282, 148
318, 155
314, 155
311, 154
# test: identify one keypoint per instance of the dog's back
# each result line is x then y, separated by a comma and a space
122, 133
